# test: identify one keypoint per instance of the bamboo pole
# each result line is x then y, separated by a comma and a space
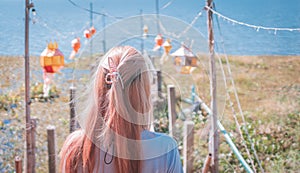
29, 156
188, 146
171, 108
18, 164
214, 142
51, 149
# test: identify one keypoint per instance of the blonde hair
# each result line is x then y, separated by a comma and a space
116, 110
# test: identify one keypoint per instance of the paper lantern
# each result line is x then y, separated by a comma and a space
87, 34
92, 31
184, 58
52, 59
76, 44
145, 31
167, 46
159, 40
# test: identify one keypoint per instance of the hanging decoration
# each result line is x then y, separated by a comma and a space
184, 60
88, 33
167, 46
158, 42
76, 46
52, 60
145, 31
257, 28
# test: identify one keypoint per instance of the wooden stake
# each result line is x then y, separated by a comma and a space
51, 149
18, 164
72, 110
188, 146
214, 135
171, 108
159, 83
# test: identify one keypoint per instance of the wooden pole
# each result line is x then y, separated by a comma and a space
29, 156
159, 83
188, 146
18, 164
72, 110
171, 108
51, 149
214, 135
157, 16
33, 140
142, 32
104, 34
91, 24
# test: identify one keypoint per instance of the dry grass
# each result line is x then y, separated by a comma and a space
268, 87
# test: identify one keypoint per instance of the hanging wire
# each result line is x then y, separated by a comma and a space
189, 26
256, 27
94, 12
167, 4
237, 100
234, 114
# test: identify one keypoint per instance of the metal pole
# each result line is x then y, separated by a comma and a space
29, 157
214, 142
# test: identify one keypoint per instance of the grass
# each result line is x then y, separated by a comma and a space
269, 93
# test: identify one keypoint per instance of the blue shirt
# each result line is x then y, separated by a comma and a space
160, 154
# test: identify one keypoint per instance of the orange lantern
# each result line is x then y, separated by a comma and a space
76, 44
52, 59
87, 34
167, 46
92, 31
145, 29
159, 40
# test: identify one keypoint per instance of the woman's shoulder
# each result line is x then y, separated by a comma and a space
158, 143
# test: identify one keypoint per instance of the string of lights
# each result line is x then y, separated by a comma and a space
256, 27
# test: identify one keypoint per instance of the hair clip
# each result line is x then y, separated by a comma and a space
113, 75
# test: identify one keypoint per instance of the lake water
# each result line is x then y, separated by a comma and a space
61, 21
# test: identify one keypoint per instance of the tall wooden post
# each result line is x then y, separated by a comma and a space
142, 32
104, 34
91, 24
214, 135
29, 156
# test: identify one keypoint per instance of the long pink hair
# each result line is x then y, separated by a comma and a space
121, 108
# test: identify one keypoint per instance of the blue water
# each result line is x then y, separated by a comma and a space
59, 20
